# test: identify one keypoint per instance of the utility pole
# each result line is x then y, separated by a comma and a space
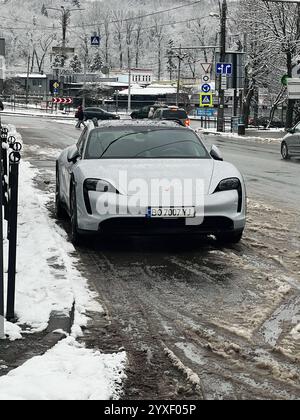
221, 109
129, 84
179, 75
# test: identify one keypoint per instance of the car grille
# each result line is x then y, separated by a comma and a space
144, 226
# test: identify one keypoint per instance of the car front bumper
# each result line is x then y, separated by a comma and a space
220, 214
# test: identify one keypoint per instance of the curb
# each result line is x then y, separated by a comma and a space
50, 116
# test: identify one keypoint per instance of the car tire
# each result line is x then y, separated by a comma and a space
285, 151
230, 238
60, 212
76, 238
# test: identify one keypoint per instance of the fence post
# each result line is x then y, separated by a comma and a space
1, 240
14, 159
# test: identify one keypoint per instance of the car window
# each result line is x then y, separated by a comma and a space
297, 128
178, 114
144, 143
81, 141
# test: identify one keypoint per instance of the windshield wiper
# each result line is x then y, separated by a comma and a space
122, 137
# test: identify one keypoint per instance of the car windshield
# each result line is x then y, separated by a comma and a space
144, 143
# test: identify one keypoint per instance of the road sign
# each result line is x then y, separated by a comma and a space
55, 91
224, 82
206, 67
56, 85
206, 100
95, 41
206, 88
294, 88
205, 79
224, 68
205, 112
65, 101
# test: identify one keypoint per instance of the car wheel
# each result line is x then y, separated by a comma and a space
285, 151
230, 238
60, 212
76, 238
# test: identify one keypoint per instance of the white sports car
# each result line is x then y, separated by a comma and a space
142, 177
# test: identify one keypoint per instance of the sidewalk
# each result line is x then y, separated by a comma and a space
252, 134
43, 355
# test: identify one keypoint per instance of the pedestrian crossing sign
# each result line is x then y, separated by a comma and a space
206, 99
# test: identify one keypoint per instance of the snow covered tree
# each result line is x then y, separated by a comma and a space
171, 59
96, 62
75, 64
275, 28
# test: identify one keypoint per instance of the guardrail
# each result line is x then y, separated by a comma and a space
9, 183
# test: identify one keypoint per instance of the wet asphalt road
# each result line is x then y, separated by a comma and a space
196, 320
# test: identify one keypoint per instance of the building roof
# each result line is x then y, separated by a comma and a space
31, 76
138, 90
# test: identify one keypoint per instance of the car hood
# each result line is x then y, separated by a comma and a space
112, 170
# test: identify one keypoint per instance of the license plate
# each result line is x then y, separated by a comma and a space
173, 212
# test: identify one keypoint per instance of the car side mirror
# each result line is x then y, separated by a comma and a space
216, 154
290, 130
73, 155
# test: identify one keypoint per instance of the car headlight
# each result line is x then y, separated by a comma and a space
231, 184
99, 185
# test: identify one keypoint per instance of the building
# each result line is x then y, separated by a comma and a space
37, 83
141, 77
143, 96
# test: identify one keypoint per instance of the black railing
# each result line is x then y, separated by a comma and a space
9, 168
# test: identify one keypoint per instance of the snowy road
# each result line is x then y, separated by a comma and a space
198, 321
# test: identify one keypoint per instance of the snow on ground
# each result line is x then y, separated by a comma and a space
66, 372
262, 139
47, 278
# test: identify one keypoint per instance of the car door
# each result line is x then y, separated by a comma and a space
67, 173
101, 115
293, 141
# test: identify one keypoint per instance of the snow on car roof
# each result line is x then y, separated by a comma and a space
135, 123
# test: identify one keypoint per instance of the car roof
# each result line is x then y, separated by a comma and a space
137, 123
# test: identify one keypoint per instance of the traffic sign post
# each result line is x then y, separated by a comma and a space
206, 88
224, 68
95, 41
206, 100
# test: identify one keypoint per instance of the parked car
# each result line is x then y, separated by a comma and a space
172, 113
99, 114
290, 146
90, 188
143, 113
264, 122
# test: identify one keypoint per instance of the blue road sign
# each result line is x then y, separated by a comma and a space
206, 88
205, 112
95, 41
55, 91
224, 68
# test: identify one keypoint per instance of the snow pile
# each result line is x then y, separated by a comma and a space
67, 372
47, 278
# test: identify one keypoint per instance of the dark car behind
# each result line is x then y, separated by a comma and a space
173, 114
143, 113
99, 114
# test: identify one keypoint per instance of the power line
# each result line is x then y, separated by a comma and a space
142, 16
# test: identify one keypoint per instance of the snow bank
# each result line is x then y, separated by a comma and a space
67, 372
47, 278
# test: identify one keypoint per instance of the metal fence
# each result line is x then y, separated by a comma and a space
9, 169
